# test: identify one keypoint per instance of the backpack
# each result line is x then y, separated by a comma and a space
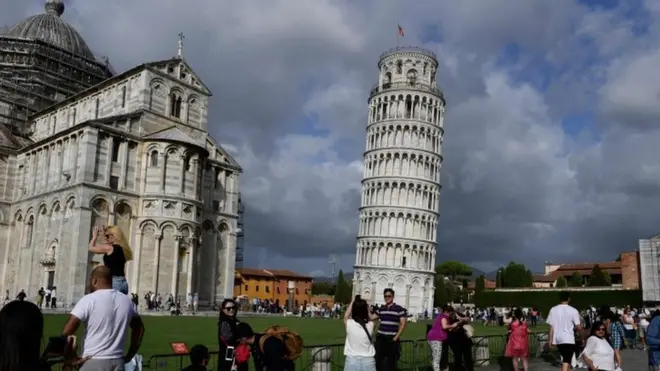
292, 341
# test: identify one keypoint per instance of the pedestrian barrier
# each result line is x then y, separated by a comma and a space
415, 355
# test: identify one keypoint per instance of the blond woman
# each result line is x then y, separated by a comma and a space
116, 252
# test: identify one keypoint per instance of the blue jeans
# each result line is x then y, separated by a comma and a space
360, 364
120, 284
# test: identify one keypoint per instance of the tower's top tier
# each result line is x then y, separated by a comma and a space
407, 67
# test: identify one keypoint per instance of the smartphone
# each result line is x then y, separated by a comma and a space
56, 344
229, 354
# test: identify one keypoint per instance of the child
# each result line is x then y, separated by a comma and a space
199, 358
517, 347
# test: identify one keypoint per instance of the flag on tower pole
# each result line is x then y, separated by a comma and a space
399, 34
400, 31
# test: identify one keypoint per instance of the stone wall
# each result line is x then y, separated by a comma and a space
630, 272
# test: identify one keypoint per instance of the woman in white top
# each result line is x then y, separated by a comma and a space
359, 349
598, 354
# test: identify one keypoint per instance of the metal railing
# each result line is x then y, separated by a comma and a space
415, 355
414, 85
410, 49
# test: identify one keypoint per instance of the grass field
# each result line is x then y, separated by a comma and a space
161, 331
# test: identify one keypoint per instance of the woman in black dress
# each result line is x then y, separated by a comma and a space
116, 252
226, 330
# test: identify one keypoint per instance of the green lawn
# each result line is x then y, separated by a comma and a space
161, 331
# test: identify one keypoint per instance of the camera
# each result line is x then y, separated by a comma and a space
56, 345
358, 297
375, 309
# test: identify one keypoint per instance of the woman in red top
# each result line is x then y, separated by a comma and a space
518, 347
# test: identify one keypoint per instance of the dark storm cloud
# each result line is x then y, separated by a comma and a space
514, 185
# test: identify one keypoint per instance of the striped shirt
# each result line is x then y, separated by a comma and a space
389, 318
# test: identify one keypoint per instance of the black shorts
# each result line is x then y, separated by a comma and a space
566, 351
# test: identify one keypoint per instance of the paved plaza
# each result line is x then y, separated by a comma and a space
634, 360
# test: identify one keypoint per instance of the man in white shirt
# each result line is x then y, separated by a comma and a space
107, 314
564, 320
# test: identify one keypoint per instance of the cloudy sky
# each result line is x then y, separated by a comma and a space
552, 142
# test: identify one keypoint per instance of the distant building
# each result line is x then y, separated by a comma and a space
271, 284
625, 272
649, 259
81, 146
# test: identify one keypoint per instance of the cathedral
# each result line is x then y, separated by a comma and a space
82, 145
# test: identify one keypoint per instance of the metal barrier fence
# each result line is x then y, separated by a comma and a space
415, 355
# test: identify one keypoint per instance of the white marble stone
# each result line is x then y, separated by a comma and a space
396, 243
133, 151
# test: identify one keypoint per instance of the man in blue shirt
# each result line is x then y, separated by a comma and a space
653, 342
392, 321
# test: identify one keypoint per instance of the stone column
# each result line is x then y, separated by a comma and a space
60, 166
196, 265
373, 293
87, 154
143, 172
163, 166
73, 152
108, 163
182, 175
408, 287
137, 250
158, 238
175, 265
214, 267
33, 177
78, 267
191, 259
195, 175
123, 157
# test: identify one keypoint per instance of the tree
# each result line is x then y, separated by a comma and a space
599, 278
343, 289
480, 284
440, 298
576, 280
323, 288
498, 278
453, 269
516, 275
561, 282
479, 287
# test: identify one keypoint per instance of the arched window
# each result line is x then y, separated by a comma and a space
175, 105
123, 96
412, 77
399, 67
155, 90
186, 163
153, 158
388, 79
29, 229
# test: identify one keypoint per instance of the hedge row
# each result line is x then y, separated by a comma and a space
544, 300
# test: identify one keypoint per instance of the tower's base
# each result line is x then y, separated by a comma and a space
413, 289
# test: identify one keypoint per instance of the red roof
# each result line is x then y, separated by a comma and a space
550, 278
487, 283
271, 273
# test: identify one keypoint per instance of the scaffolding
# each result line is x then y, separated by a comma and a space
35, 75
240, 233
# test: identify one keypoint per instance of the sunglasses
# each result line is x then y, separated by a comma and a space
230, 308
388, 296
601, 329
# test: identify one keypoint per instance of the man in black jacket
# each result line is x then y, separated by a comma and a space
273, 355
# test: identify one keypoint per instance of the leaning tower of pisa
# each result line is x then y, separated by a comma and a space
396, 240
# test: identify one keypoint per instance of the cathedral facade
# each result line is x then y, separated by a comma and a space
132, 150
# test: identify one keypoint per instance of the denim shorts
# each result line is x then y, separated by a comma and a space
360, 364
120, 284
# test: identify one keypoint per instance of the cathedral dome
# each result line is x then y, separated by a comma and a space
52, 29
